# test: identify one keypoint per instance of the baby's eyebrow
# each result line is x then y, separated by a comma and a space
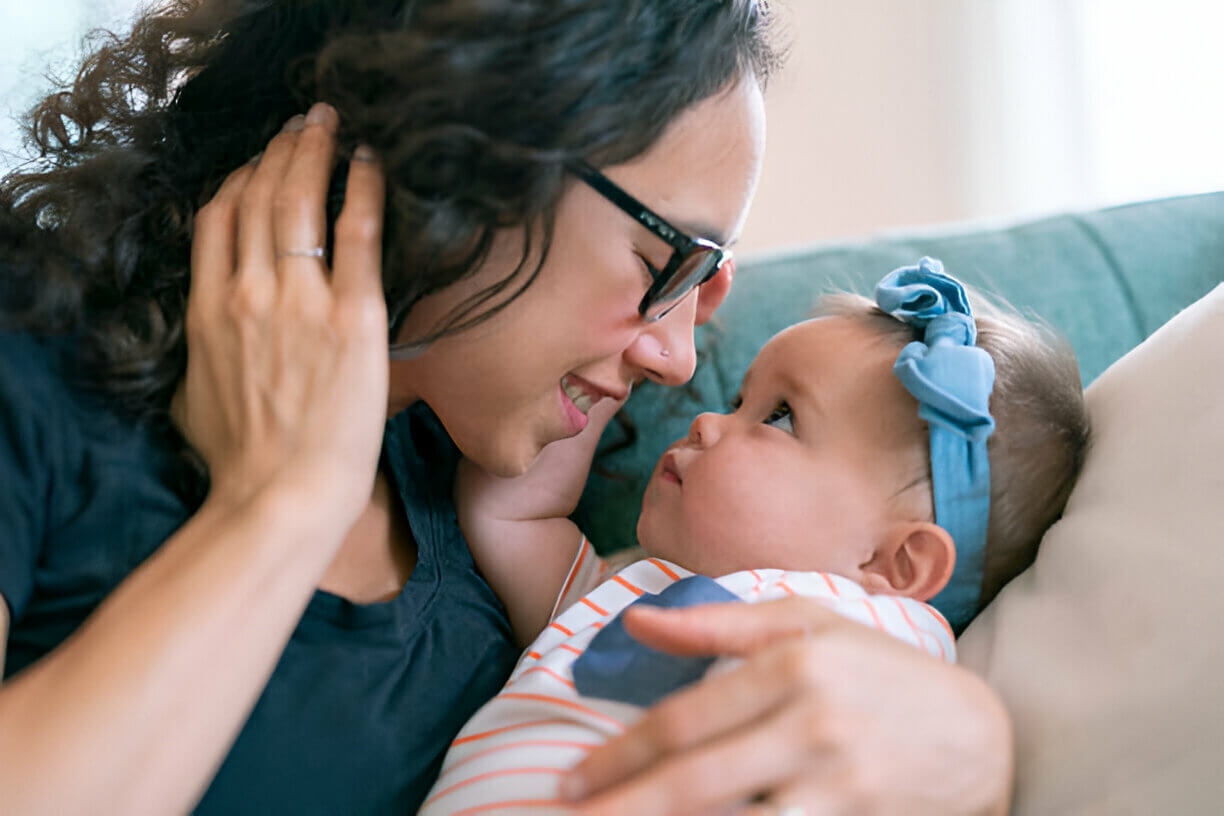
803, 390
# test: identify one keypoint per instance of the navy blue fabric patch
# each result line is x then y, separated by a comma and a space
617, 667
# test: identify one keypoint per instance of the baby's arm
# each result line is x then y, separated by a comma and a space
518, 529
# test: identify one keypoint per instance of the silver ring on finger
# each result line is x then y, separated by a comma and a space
313, 252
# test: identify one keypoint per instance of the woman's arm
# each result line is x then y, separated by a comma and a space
518, 529
824, 714
285, 398
138, 708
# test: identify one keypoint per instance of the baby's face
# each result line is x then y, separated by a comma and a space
806, 473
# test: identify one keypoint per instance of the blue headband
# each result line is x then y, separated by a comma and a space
952, 379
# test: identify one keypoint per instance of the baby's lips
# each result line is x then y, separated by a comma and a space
670, 465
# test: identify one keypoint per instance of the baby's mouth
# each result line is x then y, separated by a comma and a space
669, 472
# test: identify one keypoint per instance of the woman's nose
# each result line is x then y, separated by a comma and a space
706, 429
664, 350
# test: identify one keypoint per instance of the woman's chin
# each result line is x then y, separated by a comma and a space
504, 458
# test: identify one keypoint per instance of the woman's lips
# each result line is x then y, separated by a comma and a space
575, 418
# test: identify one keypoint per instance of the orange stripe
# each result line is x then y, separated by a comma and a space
491, 775
569, 648
599, 609
910, 621
786, 587
534, 655
569, 581
665, 569
832, 586
514, 803
561, 628
547, 671
875, 615
544, 698
755, 575
942, 622
597, 625
505, 728
919, 633
627, 585
520, 744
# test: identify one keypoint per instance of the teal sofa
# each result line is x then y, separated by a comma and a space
1105, 279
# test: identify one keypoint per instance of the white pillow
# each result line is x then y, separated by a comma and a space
1109, 650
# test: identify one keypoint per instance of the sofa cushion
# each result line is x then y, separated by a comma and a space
1107, 650
1105, 279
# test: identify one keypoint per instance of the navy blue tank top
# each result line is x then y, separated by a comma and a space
365, 698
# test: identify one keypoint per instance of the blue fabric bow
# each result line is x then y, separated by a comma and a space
952, 379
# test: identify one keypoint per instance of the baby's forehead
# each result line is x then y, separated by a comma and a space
823, 343
835, 360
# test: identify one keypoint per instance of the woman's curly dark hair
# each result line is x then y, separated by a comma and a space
475, 107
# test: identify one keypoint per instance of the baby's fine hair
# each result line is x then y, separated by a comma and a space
1042, 432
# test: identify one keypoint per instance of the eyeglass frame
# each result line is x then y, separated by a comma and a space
683, 245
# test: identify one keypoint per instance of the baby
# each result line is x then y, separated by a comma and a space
884, 455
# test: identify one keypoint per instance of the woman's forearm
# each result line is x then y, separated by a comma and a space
138, 708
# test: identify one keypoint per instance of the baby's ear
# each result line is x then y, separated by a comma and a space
713, 292
916, 561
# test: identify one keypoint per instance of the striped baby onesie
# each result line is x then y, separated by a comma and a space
510, 756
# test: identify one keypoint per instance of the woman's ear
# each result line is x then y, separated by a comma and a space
916, 561
713, 292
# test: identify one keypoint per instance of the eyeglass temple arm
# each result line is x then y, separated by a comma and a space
634, 208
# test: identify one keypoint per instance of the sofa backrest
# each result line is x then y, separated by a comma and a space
1104, 279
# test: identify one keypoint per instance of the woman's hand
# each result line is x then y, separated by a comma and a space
287, 367
824, 715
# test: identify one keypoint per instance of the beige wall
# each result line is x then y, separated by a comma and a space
854, 123
900, 113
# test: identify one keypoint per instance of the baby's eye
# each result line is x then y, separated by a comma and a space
780, 417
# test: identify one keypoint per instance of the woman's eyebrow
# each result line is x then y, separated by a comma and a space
700, 229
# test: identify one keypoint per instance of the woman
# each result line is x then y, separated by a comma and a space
304, 629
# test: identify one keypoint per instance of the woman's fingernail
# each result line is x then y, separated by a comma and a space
321, 113
296, 123
572, 787
365, 153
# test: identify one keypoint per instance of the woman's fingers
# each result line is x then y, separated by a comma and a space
709, 710
286, 383
873, 723
733, 767
732, 629
256, 232
720, 703
299, 205
213, 248
357, 256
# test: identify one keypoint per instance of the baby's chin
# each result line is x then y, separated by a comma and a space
687, 554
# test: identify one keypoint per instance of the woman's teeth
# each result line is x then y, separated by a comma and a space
581, 399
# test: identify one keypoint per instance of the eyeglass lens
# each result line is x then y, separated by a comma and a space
694, 270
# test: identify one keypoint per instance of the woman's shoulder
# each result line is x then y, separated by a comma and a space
33, 380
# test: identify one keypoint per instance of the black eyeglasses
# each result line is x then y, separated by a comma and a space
693, 260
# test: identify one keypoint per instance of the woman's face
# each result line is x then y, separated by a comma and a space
501, 387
